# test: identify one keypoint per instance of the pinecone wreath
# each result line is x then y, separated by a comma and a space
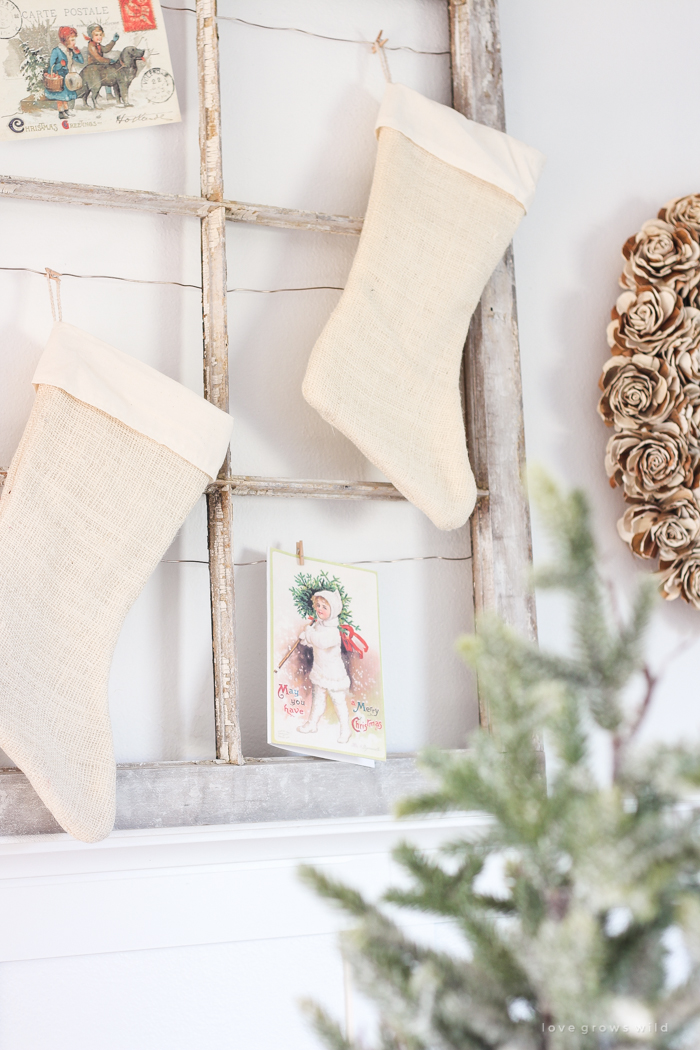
651, 396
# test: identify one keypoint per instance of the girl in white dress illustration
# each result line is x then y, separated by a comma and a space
328, 674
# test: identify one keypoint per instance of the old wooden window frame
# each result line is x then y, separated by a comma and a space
229, 789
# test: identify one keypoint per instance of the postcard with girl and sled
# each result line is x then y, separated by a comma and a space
67, 70
325, 694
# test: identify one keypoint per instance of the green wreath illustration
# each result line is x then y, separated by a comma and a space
306, 585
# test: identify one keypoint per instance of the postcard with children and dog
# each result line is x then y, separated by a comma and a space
75, 70
325, 695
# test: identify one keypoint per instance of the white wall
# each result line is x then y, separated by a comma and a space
620, 142
164, 940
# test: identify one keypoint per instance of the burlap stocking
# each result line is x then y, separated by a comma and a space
446, 198
112, 460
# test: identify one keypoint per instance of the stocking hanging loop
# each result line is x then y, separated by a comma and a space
54, 280
378, 49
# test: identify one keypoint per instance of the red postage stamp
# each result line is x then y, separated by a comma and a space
137, 15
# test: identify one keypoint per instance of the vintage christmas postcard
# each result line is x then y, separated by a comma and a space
74, 70
325, 694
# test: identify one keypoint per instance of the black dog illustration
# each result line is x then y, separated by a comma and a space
117, 75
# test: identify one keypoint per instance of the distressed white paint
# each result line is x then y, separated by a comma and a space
174, 204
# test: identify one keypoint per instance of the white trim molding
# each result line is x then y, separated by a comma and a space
146, 889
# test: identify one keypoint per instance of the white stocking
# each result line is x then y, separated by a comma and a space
112, 460
446, 199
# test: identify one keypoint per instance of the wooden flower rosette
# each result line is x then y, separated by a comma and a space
651, 396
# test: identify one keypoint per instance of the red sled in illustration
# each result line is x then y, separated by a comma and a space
137, 15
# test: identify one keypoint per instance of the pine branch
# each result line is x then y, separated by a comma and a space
325, 1027
346, 898
593, 877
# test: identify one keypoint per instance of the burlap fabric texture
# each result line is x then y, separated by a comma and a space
87, 511
385, 370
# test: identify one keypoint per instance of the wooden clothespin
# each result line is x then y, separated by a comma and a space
54, 280
379, 42
300, 552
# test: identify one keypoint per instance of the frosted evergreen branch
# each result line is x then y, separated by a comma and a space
325, 1027
593, 877
348, 899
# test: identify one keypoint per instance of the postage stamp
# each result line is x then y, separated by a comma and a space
137, 15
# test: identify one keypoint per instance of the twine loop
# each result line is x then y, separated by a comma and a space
378, 48
54, 281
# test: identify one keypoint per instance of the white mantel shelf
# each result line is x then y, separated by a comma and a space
172, 887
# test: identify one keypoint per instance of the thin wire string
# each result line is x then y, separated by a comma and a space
263, 561
178, 284
369, 561
306, 32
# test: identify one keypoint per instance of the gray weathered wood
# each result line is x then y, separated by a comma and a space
292, 219
290, 487
20, 188
248, 485
477, 75
174, 204
219, 501
501, 540
186, 794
